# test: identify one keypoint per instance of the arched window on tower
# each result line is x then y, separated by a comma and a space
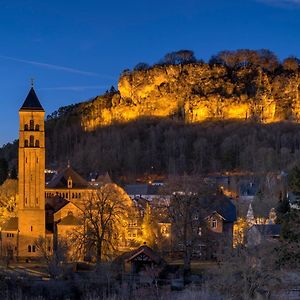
26, 127
37, 127
31, 125
26, 143
37, 143
31, 141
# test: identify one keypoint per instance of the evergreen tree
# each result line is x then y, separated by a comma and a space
282, 209
13, 173
3, 170
294, 180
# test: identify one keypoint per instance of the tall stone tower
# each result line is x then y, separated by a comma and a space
31, 212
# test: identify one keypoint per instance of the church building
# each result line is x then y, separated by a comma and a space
42, 210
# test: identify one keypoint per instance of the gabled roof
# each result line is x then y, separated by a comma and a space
11, 224
144, 251
55, 203
224, 207
268, 229
32, 102
60, 180
104, 179
70, 220
142, 189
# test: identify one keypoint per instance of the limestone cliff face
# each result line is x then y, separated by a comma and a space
198, 92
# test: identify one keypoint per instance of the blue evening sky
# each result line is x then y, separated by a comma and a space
76, 49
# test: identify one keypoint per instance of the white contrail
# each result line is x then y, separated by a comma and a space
74, 88
53, 67
281, 2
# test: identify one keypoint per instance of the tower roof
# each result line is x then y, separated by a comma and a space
32, 102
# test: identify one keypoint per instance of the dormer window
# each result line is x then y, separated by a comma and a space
31, 125
70, 183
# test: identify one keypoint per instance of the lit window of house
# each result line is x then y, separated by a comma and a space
214, 223
200, 231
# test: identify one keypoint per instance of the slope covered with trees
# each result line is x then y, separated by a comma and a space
184, 115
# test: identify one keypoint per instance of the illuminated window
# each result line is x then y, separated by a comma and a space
200, 231
70, 183
214, 223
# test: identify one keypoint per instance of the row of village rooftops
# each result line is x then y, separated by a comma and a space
236, 186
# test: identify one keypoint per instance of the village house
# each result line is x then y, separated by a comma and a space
262, 233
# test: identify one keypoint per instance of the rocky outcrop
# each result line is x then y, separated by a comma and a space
198, 92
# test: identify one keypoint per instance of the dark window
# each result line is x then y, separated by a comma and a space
26, 143
31, 141
37, 143
37, 127
26, 127
33, 248
31, 228
29, 248
31, 125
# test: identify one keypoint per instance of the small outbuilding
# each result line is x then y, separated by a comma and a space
140, 259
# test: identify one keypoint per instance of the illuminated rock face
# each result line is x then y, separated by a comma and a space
196, 93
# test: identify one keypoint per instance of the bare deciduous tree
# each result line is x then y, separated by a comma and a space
55, 260
187, 212
105, 218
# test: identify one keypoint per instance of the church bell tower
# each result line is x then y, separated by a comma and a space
31, 213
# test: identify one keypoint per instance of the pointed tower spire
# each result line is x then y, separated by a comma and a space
250, 215
32, 102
